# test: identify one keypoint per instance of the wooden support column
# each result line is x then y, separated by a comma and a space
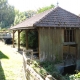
26, 31
13, 38
18, 40
76, 52
19, 31
38, 43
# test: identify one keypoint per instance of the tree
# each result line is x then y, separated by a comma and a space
19, 17
30, 13
45, 8
6, 14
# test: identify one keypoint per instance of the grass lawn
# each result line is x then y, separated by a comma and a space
11, 63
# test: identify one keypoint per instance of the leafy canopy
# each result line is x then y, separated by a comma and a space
19, 17
6, 14
45, 8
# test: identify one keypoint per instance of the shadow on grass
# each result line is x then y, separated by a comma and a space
2, 76
3, 56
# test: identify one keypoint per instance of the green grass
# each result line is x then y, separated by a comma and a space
11, 63
2, 55
2, 76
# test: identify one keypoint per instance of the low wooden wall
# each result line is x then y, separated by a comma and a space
71, 49
30, 74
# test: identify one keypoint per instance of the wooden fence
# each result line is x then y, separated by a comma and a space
30, 74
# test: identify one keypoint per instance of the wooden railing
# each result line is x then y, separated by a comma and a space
29, 72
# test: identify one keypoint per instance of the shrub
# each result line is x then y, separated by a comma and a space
23, 38
32, 39
47, 68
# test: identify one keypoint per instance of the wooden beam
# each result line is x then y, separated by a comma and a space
54, 27
70, 28
18, 40
14, 31
76, 52
20, 31
65, 27
49, 27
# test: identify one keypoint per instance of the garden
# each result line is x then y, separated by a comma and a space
48, 68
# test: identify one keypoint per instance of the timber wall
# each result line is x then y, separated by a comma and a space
51, 44
70, 49
78, 42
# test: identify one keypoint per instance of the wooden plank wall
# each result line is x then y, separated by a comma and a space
78, 42
50, 44
71, 49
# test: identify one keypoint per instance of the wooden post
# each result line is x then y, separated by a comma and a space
76, 52
18, 40
38, 43
13, 38
26, 31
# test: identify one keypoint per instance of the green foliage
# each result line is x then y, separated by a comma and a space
3, 56
2, 75
43, 71
45, 8
75, 76
47, 68
30, 13
6, 14
33, 39
36, 66
23, 38
19, 17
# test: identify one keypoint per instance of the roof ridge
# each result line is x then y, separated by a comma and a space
68, 11
48, 12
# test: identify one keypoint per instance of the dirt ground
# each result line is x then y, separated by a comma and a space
16, 67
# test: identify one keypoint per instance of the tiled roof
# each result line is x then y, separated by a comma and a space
28, 23
56, 17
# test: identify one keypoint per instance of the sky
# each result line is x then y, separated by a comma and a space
24, 5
